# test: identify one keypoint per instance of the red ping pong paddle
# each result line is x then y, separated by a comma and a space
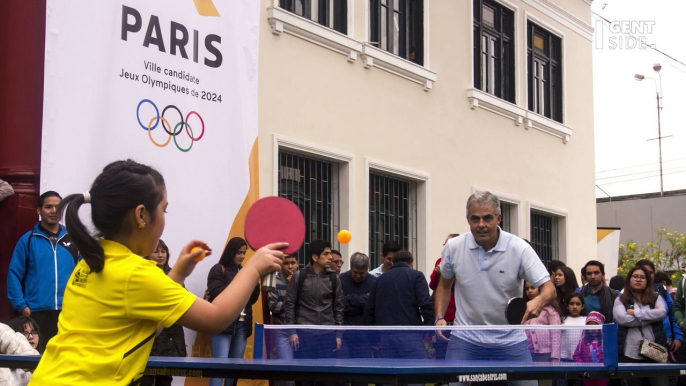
271, 220
516, 308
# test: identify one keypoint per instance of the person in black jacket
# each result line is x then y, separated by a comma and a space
171, 342
400, 297
597, 296
230, 343
357, 283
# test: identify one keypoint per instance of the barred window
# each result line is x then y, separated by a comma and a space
505, 212
312, 184
392, 214
544, 236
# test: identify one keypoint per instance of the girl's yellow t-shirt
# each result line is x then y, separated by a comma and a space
109, 319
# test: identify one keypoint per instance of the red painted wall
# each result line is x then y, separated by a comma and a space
22, 52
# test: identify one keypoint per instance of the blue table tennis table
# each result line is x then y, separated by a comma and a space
390, 371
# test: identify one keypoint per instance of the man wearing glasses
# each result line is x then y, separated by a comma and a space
336, 261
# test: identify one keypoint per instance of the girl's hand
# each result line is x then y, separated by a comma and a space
186, 261
267, 259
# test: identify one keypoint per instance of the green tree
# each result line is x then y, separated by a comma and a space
667, 252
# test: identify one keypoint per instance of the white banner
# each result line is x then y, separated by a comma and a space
608, 250
172, 84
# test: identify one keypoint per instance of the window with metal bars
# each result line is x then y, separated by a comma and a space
494, 55
544, 72
392, 214
312, 184
329, 13
505, 212
544, 236
397, 26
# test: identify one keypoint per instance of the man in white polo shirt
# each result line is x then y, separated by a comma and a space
489, 266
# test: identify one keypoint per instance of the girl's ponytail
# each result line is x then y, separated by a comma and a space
88, 246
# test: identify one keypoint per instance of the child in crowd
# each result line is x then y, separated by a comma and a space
19, 337
543, 344
590, 348
571, 338
27, 327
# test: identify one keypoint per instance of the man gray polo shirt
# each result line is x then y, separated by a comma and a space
485, 281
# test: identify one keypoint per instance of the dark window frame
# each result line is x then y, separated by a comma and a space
410, 26
544, 73
312, 184
393, 211
340, 12
506, 219
502, 35
545, 235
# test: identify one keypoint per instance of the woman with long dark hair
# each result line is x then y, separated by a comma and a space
639, 312
115, 299
161, 256
565, 284
231, 342
171, 342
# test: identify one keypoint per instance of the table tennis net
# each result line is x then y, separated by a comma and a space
580, 344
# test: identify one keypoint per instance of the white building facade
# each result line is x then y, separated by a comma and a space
383, 116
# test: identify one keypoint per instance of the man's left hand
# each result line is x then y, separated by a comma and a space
338, 344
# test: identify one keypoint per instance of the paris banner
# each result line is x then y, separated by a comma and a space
168, 83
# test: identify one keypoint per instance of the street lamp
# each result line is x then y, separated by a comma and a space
656, 67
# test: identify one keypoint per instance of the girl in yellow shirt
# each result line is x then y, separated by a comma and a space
115, 299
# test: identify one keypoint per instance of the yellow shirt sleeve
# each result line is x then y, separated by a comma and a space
152, 295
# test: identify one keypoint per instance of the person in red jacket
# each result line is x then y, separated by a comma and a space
439, 345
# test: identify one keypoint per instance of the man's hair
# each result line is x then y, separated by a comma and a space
317, 247
647, 262
484, 198
617, 283
390, 246
583, 271
359, 260
663, 277
554, 265
49, 193
336, 252
595, 262
403, 256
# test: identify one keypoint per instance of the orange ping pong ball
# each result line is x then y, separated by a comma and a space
202, 255
344, 236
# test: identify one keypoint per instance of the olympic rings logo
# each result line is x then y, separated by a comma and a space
178, 128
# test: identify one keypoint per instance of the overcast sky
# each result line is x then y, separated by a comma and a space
625, 109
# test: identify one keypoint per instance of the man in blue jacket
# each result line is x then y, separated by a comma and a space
41, 265
400, 297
